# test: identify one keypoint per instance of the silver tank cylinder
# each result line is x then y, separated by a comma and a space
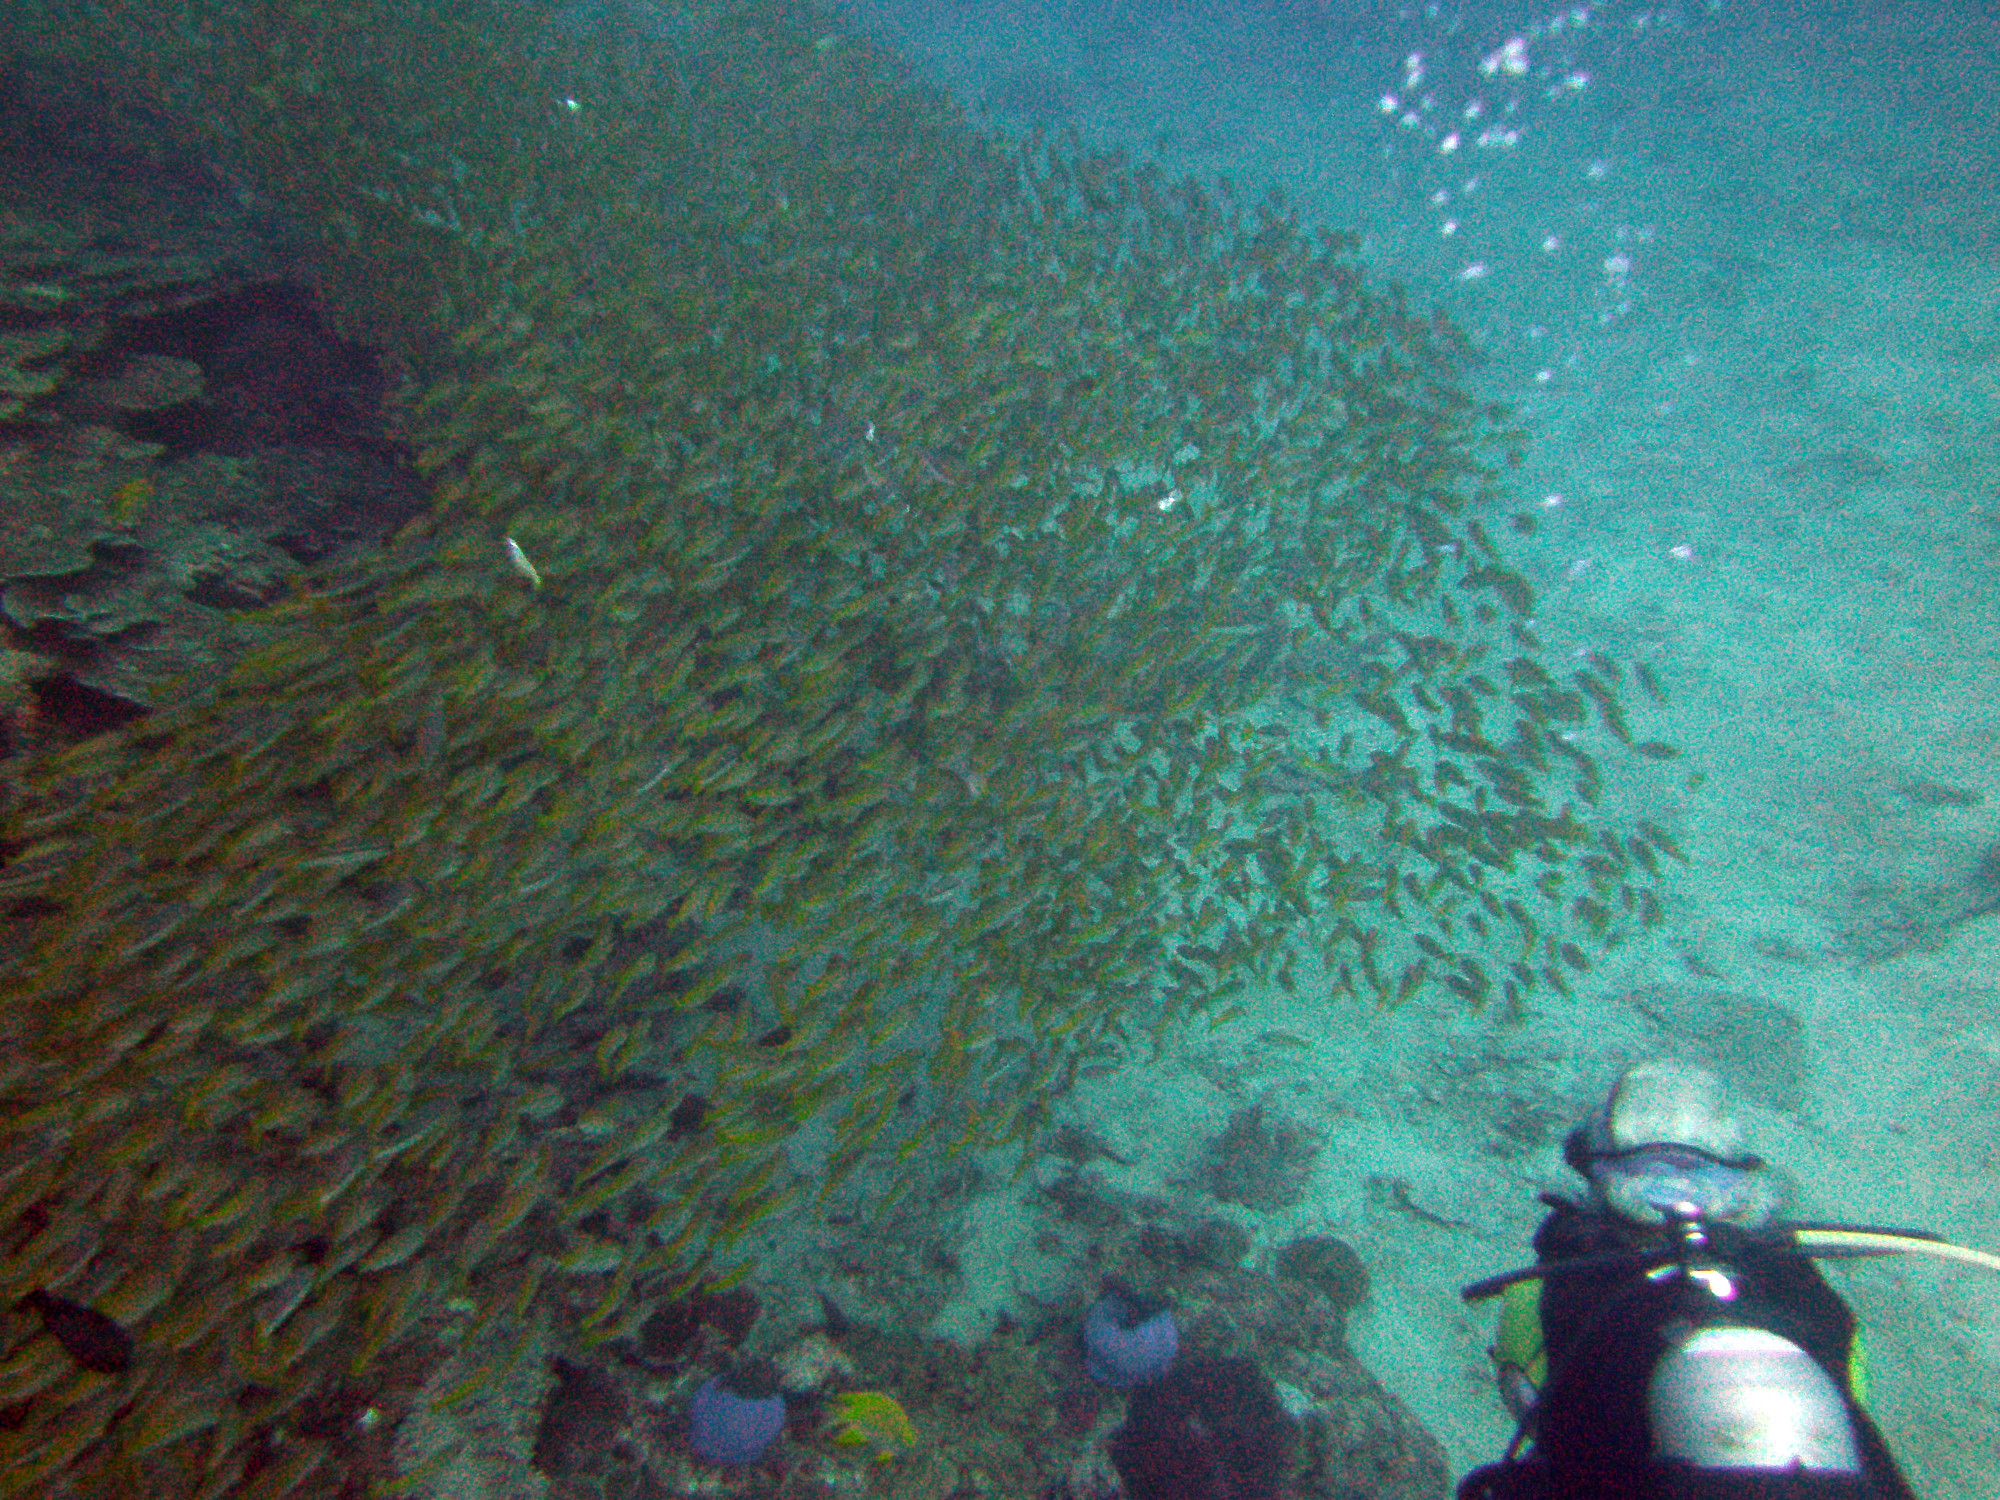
1744, 1398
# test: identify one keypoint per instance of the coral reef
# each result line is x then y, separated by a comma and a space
1263, 1159
147, 496
1328, 1264
62, 292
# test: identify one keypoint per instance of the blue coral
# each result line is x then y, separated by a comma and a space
729, 1429
1128, 1341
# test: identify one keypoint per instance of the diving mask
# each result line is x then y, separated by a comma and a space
1661, 1182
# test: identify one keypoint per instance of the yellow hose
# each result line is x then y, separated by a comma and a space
1896, 1244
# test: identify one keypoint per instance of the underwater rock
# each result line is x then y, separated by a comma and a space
584, 1416
1213, 1429
1262, 1159
1357, 1439
1190, 1245
703, 1325
1328, 1264
812, 1362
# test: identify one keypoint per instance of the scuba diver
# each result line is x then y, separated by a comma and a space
1675, 1340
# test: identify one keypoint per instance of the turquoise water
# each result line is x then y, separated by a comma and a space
1738, 268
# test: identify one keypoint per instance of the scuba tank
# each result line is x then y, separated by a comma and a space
1746, 1398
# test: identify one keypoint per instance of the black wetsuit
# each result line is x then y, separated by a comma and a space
1606, 1327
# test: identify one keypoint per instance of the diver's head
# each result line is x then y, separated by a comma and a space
1665, 1145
